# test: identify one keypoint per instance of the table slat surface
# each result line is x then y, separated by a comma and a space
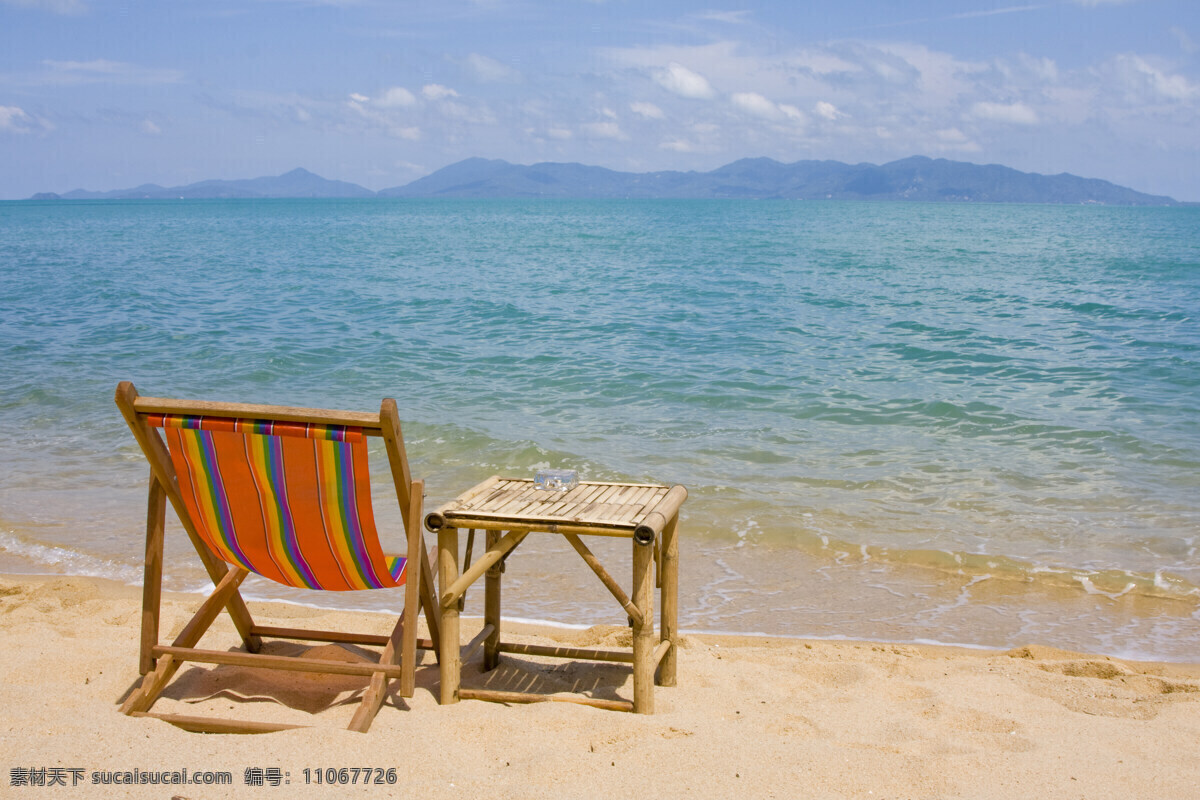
613, 505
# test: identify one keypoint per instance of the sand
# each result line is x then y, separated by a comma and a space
751, 717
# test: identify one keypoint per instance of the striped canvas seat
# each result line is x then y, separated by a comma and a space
289, 501
283, 492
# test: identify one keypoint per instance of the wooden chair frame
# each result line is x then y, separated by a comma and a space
158, 663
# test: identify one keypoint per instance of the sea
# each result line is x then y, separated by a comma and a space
966, 424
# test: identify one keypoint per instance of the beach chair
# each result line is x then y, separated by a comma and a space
285, 493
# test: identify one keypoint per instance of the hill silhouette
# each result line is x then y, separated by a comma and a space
915, 178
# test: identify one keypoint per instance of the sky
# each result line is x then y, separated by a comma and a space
100, 94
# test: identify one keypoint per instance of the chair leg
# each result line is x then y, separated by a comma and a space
414, 580
151, 687
152, 579
167, 665
376, 692
402, 644
400, 648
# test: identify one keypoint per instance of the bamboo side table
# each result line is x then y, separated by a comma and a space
510, 509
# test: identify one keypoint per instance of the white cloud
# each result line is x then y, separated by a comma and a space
725, 63
954, 139
647, 110
1141, 78
64, 7
851, 89
1013, 113
792, 113
795, 76
754, 103
14, 120
435, 91
396, 97
382, 112
729, 17
481, 115
828, 110
1070, 105
678, 146
603, 130
283, 108
940, 79
1044, 70
682, 81
992, 12
704, 138
1186, 44
820, 63
104, 71
149, 128
951, 136
562, 134
491, 70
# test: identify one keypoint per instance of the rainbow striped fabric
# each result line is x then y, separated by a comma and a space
289, 501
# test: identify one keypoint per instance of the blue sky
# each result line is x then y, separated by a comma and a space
104, 95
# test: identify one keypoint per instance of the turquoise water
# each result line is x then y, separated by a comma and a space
962, 423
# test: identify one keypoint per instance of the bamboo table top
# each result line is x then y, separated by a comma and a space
614, 509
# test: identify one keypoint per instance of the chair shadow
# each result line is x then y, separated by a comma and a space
309, 692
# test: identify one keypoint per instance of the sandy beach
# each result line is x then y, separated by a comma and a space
751, 717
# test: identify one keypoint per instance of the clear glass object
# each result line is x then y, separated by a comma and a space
556, 480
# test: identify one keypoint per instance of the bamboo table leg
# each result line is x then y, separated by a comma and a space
670, 602
643, 629
451, 666
491, 608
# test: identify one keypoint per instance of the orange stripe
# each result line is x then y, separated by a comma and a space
326, 484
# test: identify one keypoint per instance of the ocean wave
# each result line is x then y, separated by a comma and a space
42, 559
1017, 381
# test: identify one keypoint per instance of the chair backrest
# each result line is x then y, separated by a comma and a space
282, 492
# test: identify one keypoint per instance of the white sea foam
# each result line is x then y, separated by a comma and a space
1090, 588
885, 588
51, 560
747, 531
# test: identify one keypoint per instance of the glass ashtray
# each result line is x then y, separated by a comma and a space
556, 480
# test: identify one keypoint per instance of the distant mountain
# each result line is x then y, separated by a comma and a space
297, 183
915, 178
